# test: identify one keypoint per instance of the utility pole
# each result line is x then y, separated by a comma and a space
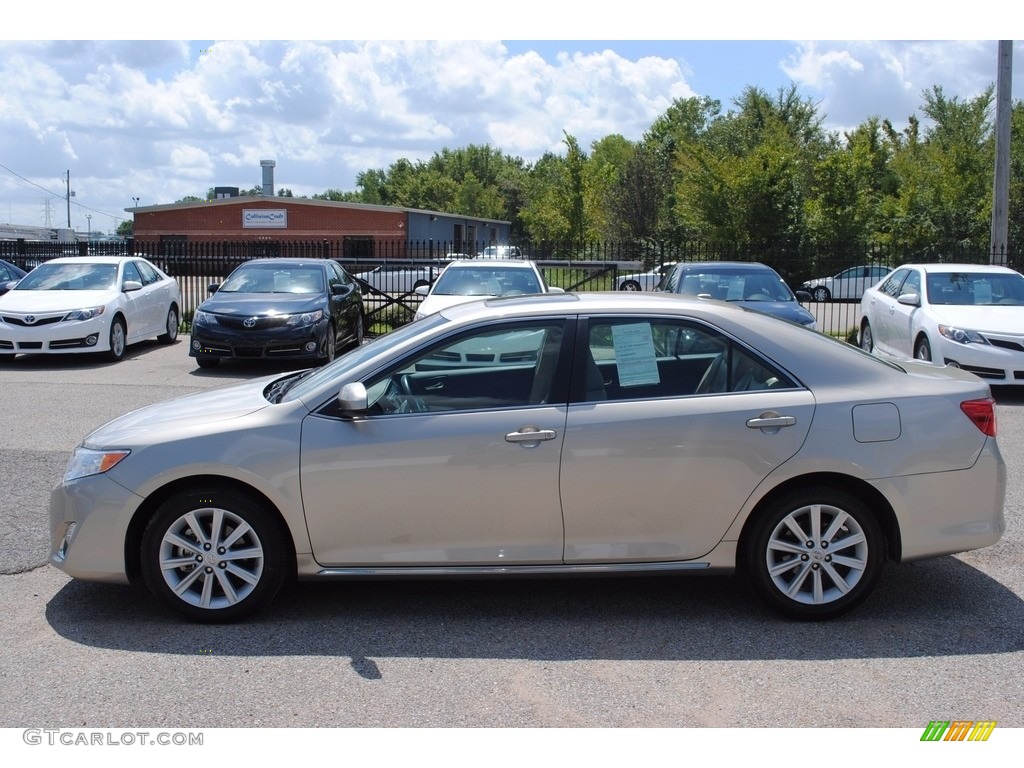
1001, 185
67, 181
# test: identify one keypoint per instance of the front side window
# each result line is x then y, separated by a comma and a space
891, 287
626, 359
504, 367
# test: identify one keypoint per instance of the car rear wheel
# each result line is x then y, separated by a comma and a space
118, 340
923, 350
630, 285
815, 553
170, 334
867, 341
821, 293
214, 555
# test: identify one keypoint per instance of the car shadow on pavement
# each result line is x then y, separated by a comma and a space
84, 360
941, 607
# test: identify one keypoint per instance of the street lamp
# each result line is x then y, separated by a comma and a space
88, 218
136, 201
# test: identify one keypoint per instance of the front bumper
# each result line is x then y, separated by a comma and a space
89, 520
283, 342
92, 335
998, 362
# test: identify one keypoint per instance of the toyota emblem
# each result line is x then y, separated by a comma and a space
249, 322
30, 319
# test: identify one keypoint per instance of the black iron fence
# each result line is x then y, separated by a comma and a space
390, 271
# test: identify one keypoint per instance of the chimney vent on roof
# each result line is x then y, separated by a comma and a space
268, 177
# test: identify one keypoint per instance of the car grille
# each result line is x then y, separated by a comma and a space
1016, 346
262, 323
20, 321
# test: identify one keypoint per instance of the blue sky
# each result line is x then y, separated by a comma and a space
159, 119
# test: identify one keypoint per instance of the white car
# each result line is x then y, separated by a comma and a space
464, 281
644, 281
500, 252
95, 304
848, 284
967, 316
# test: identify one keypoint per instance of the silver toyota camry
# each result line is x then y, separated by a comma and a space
553, 434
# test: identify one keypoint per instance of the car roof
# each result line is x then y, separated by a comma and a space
943, 268
488, 263
94, 259
286, 262
725, 265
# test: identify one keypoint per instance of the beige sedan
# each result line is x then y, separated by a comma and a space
553, 435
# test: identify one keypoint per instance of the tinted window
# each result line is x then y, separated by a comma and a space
149, 275
131, 272
891, 287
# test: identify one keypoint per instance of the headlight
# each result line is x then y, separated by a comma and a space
306, 318
203, 318
961, 335
86, 461
87, 313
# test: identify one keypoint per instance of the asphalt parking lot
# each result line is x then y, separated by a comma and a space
941, 639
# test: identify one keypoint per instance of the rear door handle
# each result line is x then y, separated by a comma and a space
530, 436
771, 422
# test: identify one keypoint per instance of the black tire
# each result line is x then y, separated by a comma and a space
923, 350
170, 334
867, 339
118, 340
630, 285
821, 293
230, 568
207, 362
357, 336
814, 580
328, 345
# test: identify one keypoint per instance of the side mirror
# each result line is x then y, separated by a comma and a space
910, 299
132, 285
421, 290
555, 289
352, 399
338, 289
803, 296
213, 288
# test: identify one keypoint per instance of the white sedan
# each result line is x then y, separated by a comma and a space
95, 304
848, 284
644, 281
967, 316
464, 281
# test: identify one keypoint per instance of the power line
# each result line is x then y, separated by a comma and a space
62, 197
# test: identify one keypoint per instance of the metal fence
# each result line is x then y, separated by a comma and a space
390, 271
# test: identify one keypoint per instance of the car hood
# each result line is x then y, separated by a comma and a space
993, 319
51, 301
787, 310
261, 303
182, 414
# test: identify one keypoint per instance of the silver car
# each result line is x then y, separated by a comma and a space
493, 438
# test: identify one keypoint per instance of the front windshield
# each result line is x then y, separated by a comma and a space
486, 281
274, 278
318, 377
70, 277
975, 288
736, 285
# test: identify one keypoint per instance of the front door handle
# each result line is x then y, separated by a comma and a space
530, 436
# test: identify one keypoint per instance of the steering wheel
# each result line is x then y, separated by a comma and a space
412, 402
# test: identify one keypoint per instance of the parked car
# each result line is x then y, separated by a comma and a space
644, 281
402, 280
848, 284
89, 304
305, 309
464, 281
965, 315
565, 434
749, 284
500, 252
10, 274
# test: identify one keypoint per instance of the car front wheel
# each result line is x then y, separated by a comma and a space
821, 293
923, 350
118, 340
329, 345
213, 555
630, 285
815, 553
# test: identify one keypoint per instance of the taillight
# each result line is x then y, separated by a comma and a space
982, 413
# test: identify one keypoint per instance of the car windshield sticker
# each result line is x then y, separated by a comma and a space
635, 358
982, 292
735, 289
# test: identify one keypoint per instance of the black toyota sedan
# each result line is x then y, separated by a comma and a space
279, 308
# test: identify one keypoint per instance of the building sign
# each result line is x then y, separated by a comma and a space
263, 218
